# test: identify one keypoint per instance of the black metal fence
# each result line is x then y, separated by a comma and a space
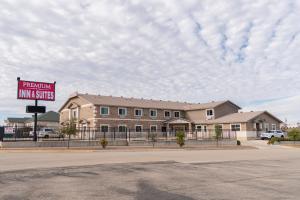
111, 134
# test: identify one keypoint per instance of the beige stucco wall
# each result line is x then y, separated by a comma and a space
84, 107
196, 115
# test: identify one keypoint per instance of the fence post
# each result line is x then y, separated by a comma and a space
114, 133
129, 133
148, 135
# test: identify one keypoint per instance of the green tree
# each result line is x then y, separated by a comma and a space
180, 138
104, 143
294, 134
218, 133
153, 138
69, 130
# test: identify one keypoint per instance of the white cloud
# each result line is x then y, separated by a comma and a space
196, 51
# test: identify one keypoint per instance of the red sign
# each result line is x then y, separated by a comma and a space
36, 90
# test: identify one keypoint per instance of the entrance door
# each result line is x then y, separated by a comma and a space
179, 128
257, 127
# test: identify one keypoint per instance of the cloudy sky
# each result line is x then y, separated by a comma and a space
192, 50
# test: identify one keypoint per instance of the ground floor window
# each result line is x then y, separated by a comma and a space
198, 128
122, 128
267, 127
163, 129
235, 127
138, 128
273, 127
104, 128
153, 128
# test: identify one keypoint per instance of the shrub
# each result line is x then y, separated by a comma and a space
180, 138
153, 138
273, 140
294, 134
103, 143
218, 132
238, 142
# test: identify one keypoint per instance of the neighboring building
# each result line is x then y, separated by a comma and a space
48, 119
294, 125
105, 112
15, 121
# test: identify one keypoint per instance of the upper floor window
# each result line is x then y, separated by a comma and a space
209, 112
176, 114
74, 113
122, 111
153, 113
104, 110
235, 127
167, 114
138, 112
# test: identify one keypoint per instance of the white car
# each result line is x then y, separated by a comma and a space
273, 133
45, 133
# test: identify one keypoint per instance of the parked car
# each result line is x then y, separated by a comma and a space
273, 133
46, 133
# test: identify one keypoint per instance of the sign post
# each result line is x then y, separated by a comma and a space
30, 90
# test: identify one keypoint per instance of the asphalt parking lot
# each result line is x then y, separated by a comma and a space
160, 180
261, 178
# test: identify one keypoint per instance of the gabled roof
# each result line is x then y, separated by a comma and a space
209, 105
49, 116
17, 119
144, 103
238, 117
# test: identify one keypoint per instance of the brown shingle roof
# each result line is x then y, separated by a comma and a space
237, 117
146, 103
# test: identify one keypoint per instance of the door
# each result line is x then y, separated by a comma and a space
179, 128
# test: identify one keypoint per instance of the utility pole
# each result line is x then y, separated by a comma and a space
35, 123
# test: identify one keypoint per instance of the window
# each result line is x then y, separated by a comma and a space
122, 111
205, 128
198, 128
209, 112
138, 128
104, 128
153, 128
273, 127
153, 113
138, 112
122, 128
267, 127
177, 114
167, 114
104, 110
235, 127
74, 114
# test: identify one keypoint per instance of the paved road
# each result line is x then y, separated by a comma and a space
174, 174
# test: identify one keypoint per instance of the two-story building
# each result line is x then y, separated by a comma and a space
105, 112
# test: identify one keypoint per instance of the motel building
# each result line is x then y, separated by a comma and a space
105, 113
